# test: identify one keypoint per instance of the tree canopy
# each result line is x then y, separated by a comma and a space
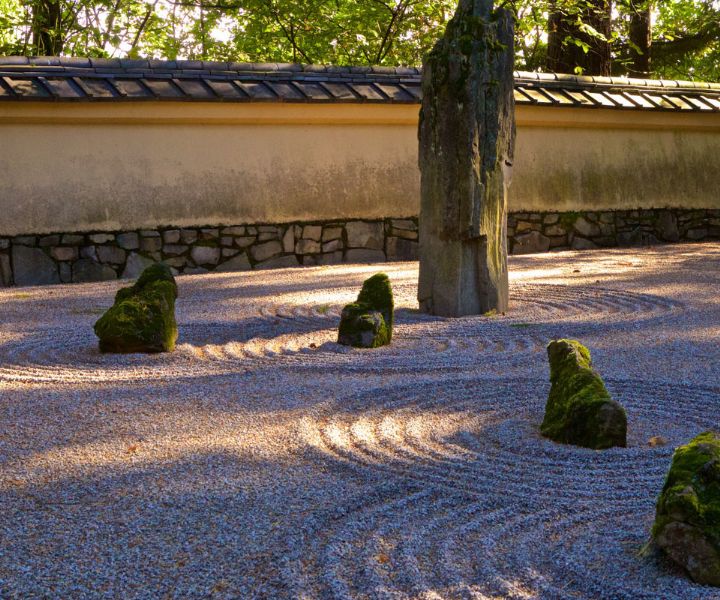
667, 38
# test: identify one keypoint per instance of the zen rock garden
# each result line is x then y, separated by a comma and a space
258, 410
579, 410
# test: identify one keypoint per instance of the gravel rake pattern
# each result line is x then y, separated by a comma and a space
263, 460
305, 337
491, 508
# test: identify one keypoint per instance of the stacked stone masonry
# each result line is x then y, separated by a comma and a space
81, 257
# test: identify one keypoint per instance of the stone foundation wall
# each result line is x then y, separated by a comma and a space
539, 232
99, 256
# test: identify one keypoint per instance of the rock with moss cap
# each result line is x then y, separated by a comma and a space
579, 409
142, 319
368, 322
687, 521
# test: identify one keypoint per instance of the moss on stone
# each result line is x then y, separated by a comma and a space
142, 319
377, 293
363, 327
153, 273
687, 521
579, 409
368, 322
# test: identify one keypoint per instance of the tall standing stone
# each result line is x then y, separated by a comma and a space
467, 136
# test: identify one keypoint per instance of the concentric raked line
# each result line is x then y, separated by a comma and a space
304, 545
457, 343
400, 435
304, 337
557, 515
72, 356
409, 548
589, 551
526, 299
413, 348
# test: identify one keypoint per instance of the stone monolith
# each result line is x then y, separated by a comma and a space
467, 136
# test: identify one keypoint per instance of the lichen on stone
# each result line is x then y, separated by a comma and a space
687, 521
368, 322
142, 318
579, 408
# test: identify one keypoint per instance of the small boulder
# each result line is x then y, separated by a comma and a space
579, 409
368, 322
142, 319
687, 520
362, 327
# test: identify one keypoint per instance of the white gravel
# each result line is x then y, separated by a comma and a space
262, 460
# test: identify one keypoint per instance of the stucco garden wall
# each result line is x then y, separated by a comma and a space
97, 191
70, 168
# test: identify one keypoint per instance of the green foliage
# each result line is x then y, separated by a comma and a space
692, 486
686, 33
579, 408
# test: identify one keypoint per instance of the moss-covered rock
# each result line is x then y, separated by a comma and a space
377, 293
579, 408
368, 322
142, 319
363, 327
687, 521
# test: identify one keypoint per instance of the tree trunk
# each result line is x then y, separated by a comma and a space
565, 56
467, 135
46, 27
640, 38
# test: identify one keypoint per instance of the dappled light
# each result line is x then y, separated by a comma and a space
417, 468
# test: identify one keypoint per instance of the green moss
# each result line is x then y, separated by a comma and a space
153, 273
687, 521
142, 319
362, 327
567, 219
579, 409
368, 322
377, 293
692, 487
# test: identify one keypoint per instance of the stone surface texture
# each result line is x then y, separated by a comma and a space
142, 318
388, 239
687, 522
467, 138
368, 322
579, 409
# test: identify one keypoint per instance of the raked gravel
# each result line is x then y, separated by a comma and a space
262, 460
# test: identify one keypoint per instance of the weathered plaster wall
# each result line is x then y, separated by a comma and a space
108, 167
580, 169
75, 176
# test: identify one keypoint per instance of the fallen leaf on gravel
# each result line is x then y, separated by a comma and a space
131, 449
